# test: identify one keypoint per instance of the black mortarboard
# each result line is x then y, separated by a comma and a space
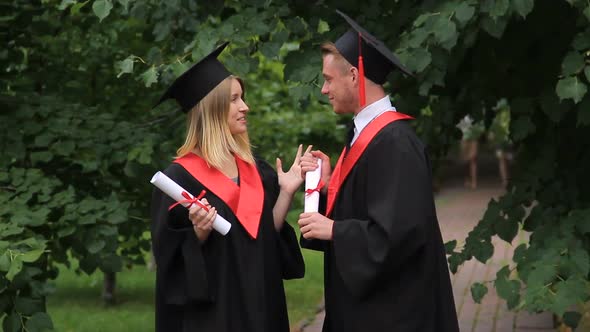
378, 60
194, 84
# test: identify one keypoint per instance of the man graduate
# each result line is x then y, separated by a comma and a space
206, 281
384, 259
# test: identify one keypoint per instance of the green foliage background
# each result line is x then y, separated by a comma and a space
79, 138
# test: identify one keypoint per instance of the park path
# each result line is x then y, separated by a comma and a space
459, 209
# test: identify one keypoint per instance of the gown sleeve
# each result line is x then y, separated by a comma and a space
291, 259
181, 268
398, 200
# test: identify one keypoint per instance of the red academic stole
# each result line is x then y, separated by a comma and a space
245, 200
346, 163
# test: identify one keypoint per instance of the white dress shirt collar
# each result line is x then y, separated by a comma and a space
370, 112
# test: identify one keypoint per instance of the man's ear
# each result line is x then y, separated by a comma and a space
354, 75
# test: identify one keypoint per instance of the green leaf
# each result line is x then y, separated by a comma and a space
587, 72
150, 76
95, 246
578, 261
44, 140
478, 291
572, 64
5, 262
125, 66
506, 229
12, 323
421, 19
587, 12
64, 148
28, 306
75, 9
419, 59
450, 246
569, 292
523, 7
39, 322
541, 274
444, 29
520, 253
506, 288
581, 41
417, 37
68, 230
572, 318
102, 8
500, 8
464, 12
483, 251
302, 65
10, 229
495, 27
41, 157
323, 26
65, 4
571, 88
31, 256
15, 267
270, 50
455, 260
125, 4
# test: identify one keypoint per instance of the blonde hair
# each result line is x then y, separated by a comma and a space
208, 129
329, 48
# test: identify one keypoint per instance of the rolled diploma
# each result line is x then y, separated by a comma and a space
312, 180
175, 191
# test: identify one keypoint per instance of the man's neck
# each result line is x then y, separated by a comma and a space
372, 95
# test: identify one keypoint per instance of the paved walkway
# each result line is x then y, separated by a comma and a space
459, 209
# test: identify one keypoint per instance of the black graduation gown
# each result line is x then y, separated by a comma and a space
386, 268
230, 283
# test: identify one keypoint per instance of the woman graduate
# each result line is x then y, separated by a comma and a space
206, 281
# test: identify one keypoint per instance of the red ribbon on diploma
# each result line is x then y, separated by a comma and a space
191, 201
318, 188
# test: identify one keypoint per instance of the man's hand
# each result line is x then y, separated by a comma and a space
315, 226
309, 162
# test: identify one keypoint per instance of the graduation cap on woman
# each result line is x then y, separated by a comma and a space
372, 58
194, 84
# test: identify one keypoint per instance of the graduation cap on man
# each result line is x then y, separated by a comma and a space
372, 58
195, 83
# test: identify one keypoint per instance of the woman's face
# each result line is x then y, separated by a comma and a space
237, 110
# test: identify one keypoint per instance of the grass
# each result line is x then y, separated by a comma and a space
304, 295
77, 304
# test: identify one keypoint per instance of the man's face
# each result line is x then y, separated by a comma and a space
339, 86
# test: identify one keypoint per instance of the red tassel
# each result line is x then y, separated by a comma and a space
362, 96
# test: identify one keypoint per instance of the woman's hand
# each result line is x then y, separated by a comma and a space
309, 162
202, 220
291, 180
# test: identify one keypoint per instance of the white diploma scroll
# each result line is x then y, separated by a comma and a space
175, 191
312, 181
